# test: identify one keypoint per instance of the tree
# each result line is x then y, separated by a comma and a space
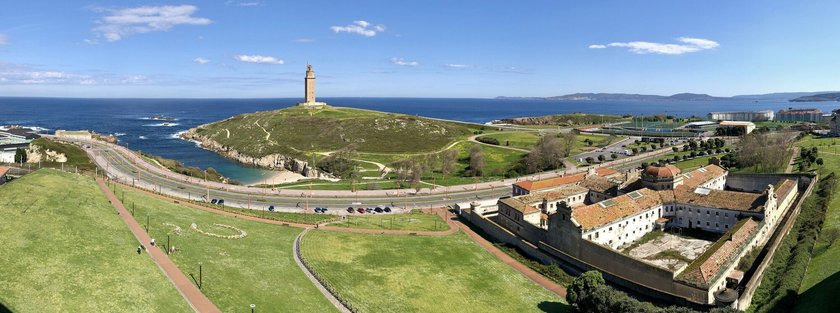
675, 149
582, 285
20, 156
590, 160
614, 156
601, 158
548, 154
476, 161
447, 161
831, 235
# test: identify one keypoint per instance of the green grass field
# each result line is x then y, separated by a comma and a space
76, 157
412, 221
522, 140
403, 273
66, 250
298, 131
257, 269
821, 284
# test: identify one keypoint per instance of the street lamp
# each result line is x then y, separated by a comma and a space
252, 307
199, 275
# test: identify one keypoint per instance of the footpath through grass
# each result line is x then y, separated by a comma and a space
258, 268
412, 221
66, 250
404, 273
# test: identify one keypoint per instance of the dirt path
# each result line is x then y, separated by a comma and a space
184, 285
792, 161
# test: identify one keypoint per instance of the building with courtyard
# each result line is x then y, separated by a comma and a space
671, 234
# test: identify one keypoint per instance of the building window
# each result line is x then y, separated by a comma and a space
717, 213
725, 225
725, 214
707, 223
707, 212
590, 237
596, 235
717, 225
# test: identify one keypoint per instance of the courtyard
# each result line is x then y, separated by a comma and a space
667, 250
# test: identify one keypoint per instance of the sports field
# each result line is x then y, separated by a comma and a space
66, 250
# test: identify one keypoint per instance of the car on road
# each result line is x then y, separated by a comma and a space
214, 201
271, 208
350, 210
368, 210
360, 210
378, 210
221, 202
387, 209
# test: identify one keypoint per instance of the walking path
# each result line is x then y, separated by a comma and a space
296, 252
184, 285
450, 218
792, 161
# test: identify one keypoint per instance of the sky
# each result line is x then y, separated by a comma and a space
464, 48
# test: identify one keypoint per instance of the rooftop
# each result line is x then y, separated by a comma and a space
661, 171
702, 175
4, 170
785, 188
716, 199
531, 185
552, 195
736, 123
518, 205
704, 269
607, 211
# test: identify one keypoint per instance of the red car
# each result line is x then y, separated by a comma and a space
360, 210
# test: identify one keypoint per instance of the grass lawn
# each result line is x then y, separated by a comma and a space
76, 157
597, 142
821, 284
403, 273
412, 221
258, 268
66, 250
522, 140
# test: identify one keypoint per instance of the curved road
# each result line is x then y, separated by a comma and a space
126, 166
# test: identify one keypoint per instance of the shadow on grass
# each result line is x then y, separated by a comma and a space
821, 297
4, 309
549, 306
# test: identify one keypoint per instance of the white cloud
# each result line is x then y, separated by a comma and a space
201, 60
24, 74
303, 40
363, 28
92, 41
686, 45
403, 62
259, 59
4, 39
452, 65
123, 22
244, 3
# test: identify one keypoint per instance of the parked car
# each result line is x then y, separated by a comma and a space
387, 209
221, 202
360, 210
350, 210
271, 208
214, 201
378, 210
368, 210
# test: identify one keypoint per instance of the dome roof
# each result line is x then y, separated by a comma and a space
662, 171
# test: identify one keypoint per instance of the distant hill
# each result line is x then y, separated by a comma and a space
779, 96
833, 96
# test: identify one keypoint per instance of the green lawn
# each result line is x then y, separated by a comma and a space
66, 250
821, 284
258, 268
522, 140
76, 157
412, 221
404, 273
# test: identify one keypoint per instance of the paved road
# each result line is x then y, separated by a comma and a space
184, 285
126, 166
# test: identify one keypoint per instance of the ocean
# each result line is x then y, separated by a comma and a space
129, 118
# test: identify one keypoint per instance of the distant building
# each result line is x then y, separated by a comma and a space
747, 116
529, 186
13, 139
744, 127
800, 115
834, 123
74, 134
309, 90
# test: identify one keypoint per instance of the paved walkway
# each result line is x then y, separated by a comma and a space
184, 285
792, 161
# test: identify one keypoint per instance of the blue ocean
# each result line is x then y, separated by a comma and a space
129, 118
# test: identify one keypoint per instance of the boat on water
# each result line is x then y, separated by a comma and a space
161, 118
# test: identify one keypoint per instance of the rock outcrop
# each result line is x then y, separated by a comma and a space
271, 161
35, 154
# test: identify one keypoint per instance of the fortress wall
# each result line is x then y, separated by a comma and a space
759, 182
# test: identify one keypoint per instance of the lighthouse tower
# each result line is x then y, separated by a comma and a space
309, 89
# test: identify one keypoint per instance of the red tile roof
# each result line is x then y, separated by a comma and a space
702, 175
538, 185
4, 170
607, 211
706, 266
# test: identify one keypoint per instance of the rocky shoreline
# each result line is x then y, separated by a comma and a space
271, 161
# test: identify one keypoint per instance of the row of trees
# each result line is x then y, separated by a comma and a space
763, 151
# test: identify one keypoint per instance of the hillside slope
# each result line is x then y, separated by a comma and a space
282, 138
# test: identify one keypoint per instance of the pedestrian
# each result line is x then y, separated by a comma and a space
139, 250
153, 242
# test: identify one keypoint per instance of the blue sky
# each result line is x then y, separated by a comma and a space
252, 48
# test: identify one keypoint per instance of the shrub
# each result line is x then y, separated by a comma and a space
488, 140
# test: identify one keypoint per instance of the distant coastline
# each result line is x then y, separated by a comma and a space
780, 96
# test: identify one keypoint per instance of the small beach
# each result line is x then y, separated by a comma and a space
277, 177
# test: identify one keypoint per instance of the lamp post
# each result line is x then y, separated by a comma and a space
252, 307
199, 276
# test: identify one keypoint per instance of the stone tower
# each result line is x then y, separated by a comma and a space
309, 90
309, 85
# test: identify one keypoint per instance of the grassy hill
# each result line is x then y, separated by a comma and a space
65, 250
296, 131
